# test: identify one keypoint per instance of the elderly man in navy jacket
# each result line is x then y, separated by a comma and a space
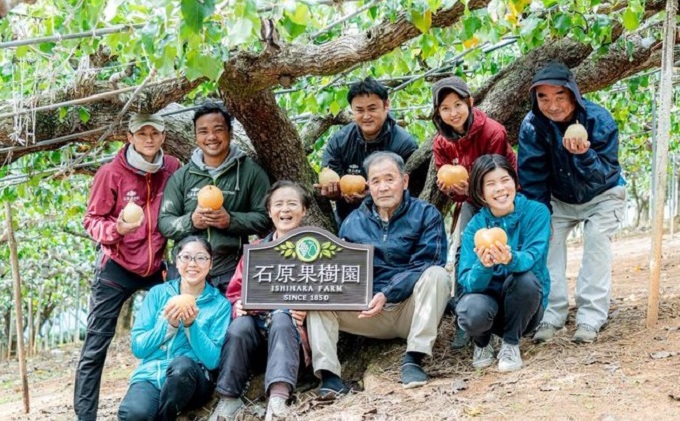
580, 180
410, 285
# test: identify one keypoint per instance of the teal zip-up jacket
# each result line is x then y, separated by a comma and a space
157, 343
244, 185
528, 230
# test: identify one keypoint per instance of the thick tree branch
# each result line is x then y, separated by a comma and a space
317, 126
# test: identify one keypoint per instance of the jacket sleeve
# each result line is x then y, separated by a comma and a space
472, 274
535, 239
534, 171
439, 152
407, 145
602, 159
234, 289
207, 341
431, 251
100, 218
332, 156
256, 219
173, 223
149, 330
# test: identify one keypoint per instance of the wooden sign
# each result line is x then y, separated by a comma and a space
308, 269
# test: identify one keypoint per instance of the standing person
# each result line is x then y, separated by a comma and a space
464, 133
505, 287
410, 285
581, 181
130, 255
177, 345
373, 130
242, 182
272, 333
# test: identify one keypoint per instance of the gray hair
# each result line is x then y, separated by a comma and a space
378, 157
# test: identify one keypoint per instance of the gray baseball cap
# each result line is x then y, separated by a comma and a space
137, 121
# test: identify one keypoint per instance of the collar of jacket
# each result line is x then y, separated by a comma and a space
368, 204
507, 222
384, 135
209, 292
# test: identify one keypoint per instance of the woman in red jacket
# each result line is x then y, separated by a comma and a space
464, 133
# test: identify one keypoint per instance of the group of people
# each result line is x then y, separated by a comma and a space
213, 345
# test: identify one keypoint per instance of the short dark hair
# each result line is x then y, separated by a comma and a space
194, 238
211, 108
367, 86
305, 197
381, 156
482, 166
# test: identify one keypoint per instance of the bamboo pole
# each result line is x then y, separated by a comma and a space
14, 258
57, 38
661, 160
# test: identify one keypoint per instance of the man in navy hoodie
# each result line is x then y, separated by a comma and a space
581, 181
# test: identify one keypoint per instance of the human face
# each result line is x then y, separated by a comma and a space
454, 111
213, 137
556, 102
286, 210
499, 192
387, 186
193, 273
147, 141
370, 113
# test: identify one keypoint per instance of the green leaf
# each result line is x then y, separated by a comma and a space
422, 21
63, 112
301, 15
195, 12
240, 31
325, 245
335, 108
199, 65
326, 253
470, 25
84, 114
631, 20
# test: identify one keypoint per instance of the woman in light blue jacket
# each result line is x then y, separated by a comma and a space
505, 287
177, 345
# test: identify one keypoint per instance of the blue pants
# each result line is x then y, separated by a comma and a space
509, 312
187, 384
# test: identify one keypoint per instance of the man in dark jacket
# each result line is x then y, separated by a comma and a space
373, 130
580, 180
242, 182
410, 285
130, 254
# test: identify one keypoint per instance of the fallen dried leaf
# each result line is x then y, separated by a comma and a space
661, 354
473, 411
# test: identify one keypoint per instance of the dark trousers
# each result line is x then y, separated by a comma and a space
509, 312
112, 286
246, 346
187, 384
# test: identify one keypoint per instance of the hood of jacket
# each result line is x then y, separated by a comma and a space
556, 74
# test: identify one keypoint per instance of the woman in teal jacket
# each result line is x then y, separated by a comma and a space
178, 345
505, 287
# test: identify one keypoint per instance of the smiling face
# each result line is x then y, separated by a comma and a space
192, 264
556, 102
213, 137
370, 113
454, 111
286, 210
387, 186
147, 141
499, 192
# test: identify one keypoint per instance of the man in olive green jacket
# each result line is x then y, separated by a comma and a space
242, 182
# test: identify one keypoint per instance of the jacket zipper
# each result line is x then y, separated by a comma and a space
148, 223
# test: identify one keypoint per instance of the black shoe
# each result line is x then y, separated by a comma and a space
460, 339
332, 386
412, 375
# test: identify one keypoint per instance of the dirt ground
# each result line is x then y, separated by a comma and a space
630, 373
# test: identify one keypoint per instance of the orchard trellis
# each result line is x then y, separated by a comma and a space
283, 69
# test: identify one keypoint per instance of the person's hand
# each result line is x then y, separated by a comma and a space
500, 253
298, 316
172, 314
375, 306
238, 305
189, 316
575, 145
219, 218
484, 256
459, 189
330, 190
198, 218
356, 197
125, 228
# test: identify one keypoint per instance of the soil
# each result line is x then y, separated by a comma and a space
629, 373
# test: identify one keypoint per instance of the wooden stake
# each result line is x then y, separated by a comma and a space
14, 258
663, 127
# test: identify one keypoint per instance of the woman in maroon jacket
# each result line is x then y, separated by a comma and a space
464, 133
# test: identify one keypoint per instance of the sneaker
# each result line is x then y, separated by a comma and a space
413, 375
332, 386
276, 409
460, 339
509, 358
585, 334
226, 409
482, 357
544, 332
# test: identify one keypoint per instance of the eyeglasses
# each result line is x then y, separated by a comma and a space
200, 259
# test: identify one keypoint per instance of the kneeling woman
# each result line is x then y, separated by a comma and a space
273, 335
177, 345
505, 287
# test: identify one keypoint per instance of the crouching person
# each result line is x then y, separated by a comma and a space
256, 337
178, 342
506, 286
410, 285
